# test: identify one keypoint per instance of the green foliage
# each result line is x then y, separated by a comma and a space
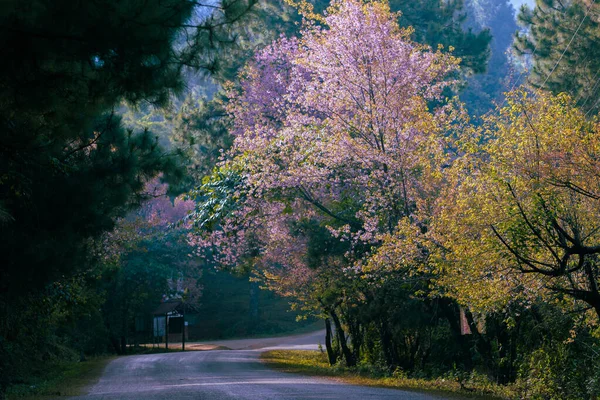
53, 326
61, 378
322, 247
438, 22
201, 131
143, 276
558, 361
563, 38
68, 168
231, 308
216, 197
73, 200
315, 363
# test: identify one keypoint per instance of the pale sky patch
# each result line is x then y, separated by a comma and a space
517, 3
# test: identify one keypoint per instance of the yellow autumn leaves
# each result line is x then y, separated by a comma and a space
518, 213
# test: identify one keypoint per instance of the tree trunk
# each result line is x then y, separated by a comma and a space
596, 306
254, 306
183, 329
114, 341
123, 344
484, 346
356, 336
387, 346
166, 331
350, 361
331, 355
451, 313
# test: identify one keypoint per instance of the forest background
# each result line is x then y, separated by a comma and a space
131, 170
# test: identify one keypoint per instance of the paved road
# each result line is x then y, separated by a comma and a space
307, 341
225, 375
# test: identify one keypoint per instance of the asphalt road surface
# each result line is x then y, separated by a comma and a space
226, 374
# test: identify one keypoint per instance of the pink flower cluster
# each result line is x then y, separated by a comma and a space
335, 126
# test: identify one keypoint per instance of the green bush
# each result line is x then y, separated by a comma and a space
562, 371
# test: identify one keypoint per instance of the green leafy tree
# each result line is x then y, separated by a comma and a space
156, 264
439, 22
562, 40
68, 168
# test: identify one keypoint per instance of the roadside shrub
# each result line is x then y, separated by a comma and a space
562, 371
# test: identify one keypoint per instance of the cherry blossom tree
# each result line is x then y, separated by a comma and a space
341, 135
343, 115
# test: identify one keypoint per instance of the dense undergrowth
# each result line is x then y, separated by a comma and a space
451, 384
59, 378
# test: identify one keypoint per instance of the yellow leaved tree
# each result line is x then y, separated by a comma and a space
520, 216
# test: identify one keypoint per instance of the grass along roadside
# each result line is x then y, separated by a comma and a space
315, 363
61, 379
70, 378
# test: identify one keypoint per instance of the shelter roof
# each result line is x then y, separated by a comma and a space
167, 307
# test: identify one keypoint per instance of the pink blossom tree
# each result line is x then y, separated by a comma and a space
337, 143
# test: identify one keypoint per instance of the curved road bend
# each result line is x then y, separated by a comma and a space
226, 374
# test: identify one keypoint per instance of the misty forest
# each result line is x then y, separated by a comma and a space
419, 180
